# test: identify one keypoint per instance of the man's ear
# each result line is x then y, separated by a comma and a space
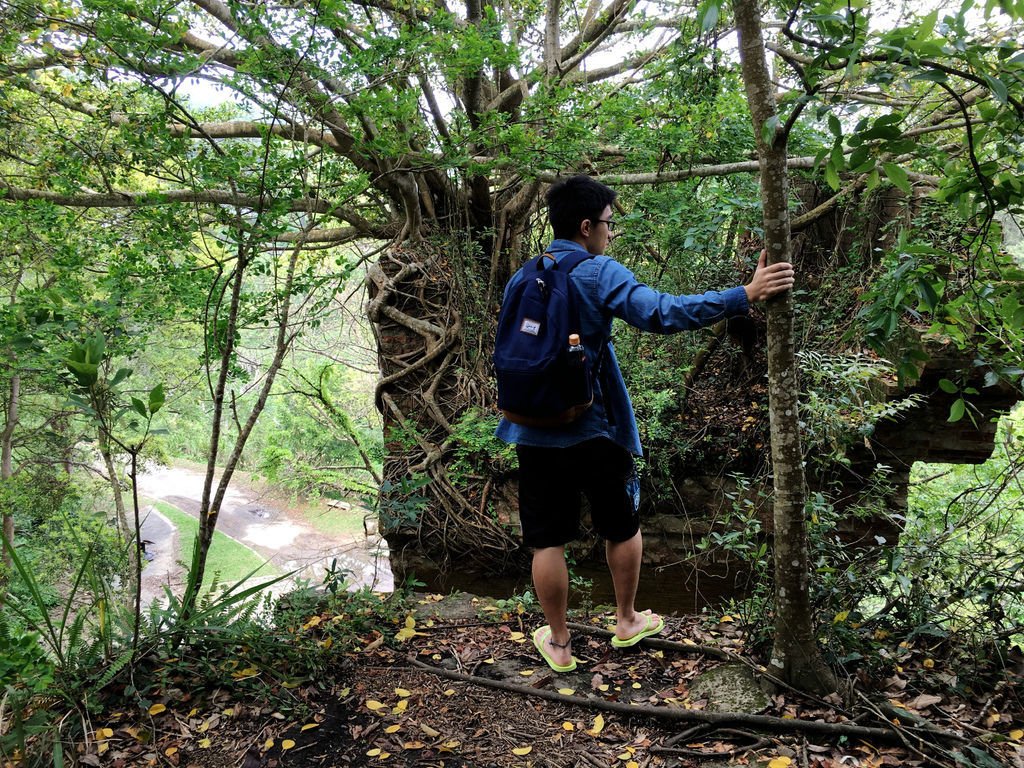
585, 227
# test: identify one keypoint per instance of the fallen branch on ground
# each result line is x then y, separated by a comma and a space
761, 722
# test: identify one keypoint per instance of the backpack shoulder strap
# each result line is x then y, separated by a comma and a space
567, 264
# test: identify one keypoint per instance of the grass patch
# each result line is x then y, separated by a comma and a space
229, 559
334, 522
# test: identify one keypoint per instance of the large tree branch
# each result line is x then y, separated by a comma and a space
119, 199
699, 171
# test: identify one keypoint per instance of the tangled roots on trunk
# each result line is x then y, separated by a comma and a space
419, 297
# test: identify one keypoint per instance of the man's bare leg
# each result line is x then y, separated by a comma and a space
624, 563
551, 580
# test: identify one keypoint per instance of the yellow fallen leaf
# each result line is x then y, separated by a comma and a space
517, 637
429, 731
448, 692
344, 692
840, 617
170, 751
314, 621
489, 661
567, 726
204, 743
522, 751
448, 746
567, 691
307, 726
928, 663
1017, 734
244, 674
779, 762
526, 672
326, 643
725, 619
603, 687
413, 745
204, 726
624, 756
104, 733
393, 729
102, 747
400, 707
228, 712
268, 744
287, 744
384, 755
632, 764
598, 726
408, 631
373, 752
636, 685
402, 692
156, 709
373, 705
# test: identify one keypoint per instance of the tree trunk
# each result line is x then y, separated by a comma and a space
796, 657
7, 462
123, 528
433, 329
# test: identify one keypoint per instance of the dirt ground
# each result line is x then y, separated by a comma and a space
458, 683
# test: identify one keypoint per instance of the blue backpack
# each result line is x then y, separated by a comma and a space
539, 383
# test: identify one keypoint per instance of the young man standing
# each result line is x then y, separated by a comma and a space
594, 454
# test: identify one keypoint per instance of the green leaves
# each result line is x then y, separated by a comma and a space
84, 360
156, 399
898, 176
708, 15
770, 129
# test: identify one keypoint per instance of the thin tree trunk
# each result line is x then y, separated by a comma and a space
124, 528
115, 488
795, 654
212, 500
7, 462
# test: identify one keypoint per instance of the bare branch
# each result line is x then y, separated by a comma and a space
699, 171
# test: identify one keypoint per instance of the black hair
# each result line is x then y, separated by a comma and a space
574, 199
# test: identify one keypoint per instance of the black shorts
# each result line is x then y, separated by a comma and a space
552, 479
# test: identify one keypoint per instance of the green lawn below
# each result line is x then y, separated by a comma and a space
229, 560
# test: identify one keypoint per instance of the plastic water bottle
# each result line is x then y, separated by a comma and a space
577, 359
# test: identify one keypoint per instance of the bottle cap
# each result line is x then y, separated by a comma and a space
574, 339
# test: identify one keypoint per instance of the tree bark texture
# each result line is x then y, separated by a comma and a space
7, 461
795, 654
427, 323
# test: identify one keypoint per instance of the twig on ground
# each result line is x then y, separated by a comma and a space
762, 722
697, 730
757, 743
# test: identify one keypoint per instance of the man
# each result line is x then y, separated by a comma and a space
594, 454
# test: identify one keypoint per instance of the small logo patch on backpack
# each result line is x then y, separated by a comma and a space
529, 326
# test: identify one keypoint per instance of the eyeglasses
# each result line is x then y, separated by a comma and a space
609, 222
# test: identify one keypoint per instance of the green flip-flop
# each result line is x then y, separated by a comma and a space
650, 628
540, 639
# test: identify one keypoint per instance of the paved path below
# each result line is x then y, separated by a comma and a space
252, 519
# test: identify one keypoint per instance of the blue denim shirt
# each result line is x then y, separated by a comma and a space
607, 289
